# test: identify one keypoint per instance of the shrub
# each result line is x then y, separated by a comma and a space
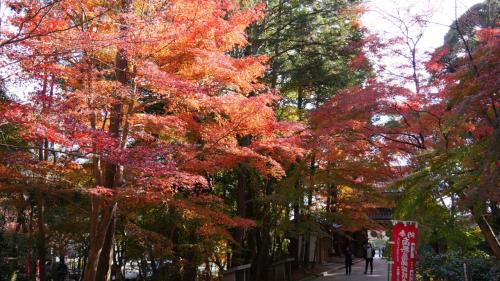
450, 267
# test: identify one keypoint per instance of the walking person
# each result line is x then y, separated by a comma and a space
62, 270
368, 255
348, 260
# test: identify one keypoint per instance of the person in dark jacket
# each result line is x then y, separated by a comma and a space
348, 260
368, 255
62, 270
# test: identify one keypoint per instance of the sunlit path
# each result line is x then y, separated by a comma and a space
379, 273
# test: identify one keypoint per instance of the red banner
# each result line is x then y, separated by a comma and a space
404, 251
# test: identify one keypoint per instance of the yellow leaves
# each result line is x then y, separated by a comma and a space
104, 88
105, 56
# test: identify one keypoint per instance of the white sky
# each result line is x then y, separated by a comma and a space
443, 15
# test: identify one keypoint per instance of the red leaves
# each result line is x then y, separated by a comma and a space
223, 124
489, 36
435, 64
150, 95
472, 91
102, 192
13, 113
360, 61
364, 131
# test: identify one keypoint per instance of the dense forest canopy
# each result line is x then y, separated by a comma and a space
179, 139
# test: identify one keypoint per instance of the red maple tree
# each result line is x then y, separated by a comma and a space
138, 100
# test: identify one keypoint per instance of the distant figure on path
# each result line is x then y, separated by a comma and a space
369, 254
348, 260
62, 270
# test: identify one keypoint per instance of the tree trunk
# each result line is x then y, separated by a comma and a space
489, 236
300, 102
484, 226
189, 269
243, 184
261, 261
294, 241
103, 228
41, 243
99, 244
275, 65
106, 257
333, 198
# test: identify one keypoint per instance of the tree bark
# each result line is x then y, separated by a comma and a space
296, 205
103, 222
300, 102
97, 246
486, 230
41, 243
489, 236
275, 65
189, 270
262, 259
243, 183
106, 257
